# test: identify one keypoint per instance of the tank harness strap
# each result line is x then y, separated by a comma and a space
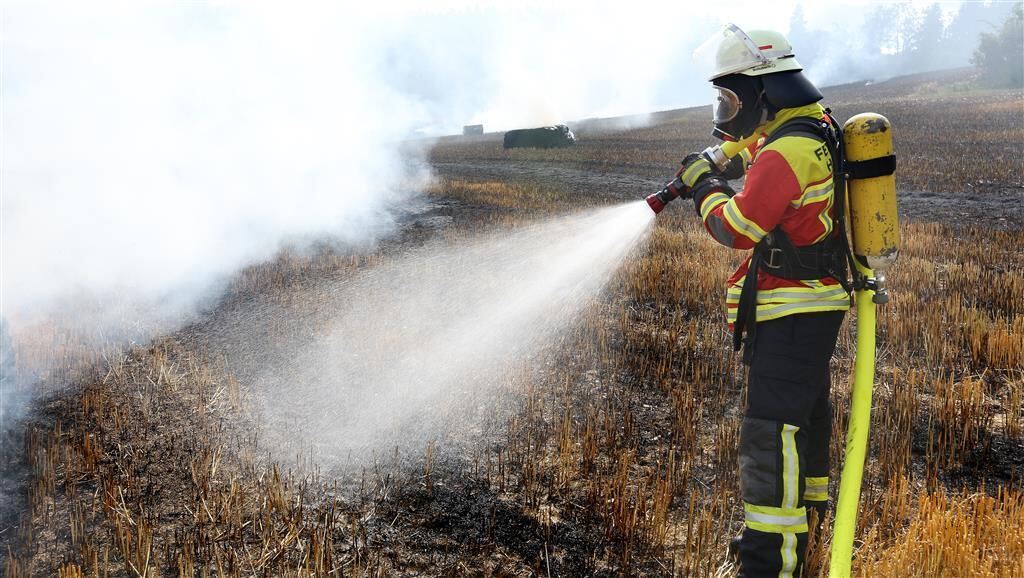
840, 171
777, 254
879, 167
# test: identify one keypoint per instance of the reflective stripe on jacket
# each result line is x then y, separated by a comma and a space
789, 184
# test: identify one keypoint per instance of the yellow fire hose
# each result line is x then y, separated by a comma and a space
856, 438
874, 220
721, 154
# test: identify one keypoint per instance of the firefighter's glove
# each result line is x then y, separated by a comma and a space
708, 186
696, 167
694, 164
734, 170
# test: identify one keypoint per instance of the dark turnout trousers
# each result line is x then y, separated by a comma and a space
784, 440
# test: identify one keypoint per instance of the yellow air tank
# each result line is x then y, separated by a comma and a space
867, 140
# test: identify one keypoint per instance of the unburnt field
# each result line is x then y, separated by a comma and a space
614, 454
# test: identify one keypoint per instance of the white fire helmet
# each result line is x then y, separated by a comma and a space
754, 54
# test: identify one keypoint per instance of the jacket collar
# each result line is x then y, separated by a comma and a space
813, 110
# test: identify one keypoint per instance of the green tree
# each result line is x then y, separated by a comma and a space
880, 32
1000, 54
925, 40
968, 24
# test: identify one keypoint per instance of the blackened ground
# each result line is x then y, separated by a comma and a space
980, 203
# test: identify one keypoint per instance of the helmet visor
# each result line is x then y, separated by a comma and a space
727, 105
731, 51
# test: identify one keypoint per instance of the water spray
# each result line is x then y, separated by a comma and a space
461, 320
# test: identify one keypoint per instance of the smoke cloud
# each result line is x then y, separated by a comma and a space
151, 150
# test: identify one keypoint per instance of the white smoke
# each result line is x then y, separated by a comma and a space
509, 65
149, 148
152, 149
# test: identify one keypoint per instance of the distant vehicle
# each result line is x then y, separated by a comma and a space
545, 137
473, 129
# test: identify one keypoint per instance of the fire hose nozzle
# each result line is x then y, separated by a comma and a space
655, 202
658, 200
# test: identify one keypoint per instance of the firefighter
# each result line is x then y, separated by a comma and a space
786, 302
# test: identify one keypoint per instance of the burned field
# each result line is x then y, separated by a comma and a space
613, 450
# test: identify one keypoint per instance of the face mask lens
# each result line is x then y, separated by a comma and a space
727, 105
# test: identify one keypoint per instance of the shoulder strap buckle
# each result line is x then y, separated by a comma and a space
773, 258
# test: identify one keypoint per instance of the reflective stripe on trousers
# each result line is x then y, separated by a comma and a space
784, 440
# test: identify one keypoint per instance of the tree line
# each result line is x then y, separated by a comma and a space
895, 38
